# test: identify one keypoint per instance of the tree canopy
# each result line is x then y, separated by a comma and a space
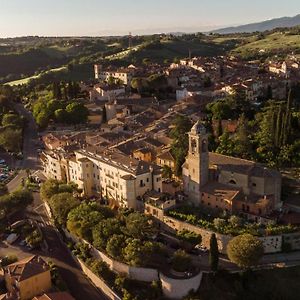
245, 250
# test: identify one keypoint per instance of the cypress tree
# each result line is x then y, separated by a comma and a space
104, 115
213, 253
59, 94
219, 130
278, 127
288, 116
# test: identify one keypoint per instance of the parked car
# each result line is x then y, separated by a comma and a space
12, 238
201, 248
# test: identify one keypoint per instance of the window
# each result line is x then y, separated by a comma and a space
147, 179
232, 181
254, 184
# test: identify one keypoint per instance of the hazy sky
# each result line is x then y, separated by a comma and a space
99, 17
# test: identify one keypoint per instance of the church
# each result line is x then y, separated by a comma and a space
223, 183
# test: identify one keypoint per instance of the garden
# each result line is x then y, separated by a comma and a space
226, 225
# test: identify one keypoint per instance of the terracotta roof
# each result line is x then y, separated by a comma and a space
166, 156
221, 190
239, 165
115, 158
27, 268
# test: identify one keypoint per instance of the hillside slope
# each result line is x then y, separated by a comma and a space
262, 26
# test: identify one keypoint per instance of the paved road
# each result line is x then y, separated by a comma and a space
30, 154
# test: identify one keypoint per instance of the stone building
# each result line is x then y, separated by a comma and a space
229, 184
27, 278
109, 174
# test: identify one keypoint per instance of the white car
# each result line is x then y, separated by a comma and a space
201, 248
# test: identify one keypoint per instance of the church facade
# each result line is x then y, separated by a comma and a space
224, 183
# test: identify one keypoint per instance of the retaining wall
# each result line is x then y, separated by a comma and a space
179, 288
272, 244
98, 282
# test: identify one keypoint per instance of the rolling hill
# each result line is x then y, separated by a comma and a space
284, 22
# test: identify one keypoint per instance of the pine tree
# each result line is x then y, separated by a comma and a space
213, 253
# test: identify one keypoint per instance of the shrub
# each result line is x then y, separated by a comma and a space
181, 261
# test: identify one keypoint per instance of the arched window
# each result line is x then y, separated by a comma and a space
232, 181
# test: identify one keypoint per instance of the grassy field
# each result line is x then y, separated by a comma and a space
27, 79
270, 43
276, 284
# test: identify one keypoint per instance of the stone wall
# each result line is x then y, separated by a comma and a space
179, 288
98, 282
272, 244
172, 225
171, 287
292, 240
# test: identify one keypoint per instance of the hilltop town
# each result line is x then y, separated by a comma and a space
150, 179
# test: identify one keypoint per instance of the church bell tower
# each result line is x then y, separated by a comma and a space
197, 163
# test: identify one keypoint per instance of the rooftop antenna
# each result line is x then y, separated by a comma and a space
130, 40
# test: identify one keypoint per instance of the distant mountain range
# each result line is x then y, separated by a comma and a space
262, 26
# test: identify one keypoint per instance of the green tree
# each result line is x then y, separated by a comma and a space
83, 218
140, 226
103, 231
243, 146
115, 245
226, 144
77, 113
104, 115
42, 120
11, 119
220, 110
190, 237
167, 172
245, 250
61, 116
213, 253
235, 221
49, 188
219, 223
133, 253
61, 204
10, 139
180, 145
